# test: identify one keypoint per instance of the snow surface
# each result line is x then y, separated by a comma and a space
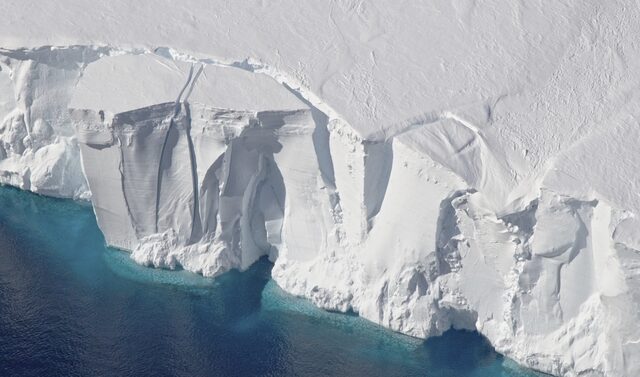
464, 163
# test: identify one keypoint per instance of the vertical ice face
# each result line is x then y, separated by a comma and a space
99, 147
211, 130
418, 231
147, 139
188, 180
38, 151
432, 225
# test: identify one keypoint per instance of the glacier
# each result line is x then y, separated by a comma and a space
456, 164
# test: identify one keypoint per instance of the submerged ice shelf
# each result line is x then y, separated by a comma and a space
513, 212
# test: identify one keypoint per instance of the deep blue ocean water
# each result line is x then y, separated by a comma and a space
69, 306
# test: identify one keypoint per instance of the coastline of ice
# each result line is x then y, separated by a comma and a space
515, 215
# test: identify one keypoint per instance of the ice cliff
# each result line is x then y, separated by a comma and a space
425, 170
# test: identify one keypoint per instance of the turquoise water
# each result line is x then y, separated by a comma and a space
69, 306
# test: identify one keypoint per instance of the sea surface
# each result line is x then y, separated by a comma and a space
69, 306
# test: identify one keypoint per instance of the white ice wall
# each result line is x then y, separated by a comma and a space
437, 223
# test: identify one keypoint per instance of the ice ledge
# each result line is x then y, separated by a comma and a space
420, 229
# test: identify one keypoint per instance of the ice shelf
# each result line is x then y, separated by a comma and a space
450, 164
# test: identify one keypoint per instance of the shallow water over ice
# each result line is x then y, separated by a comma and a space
70, 306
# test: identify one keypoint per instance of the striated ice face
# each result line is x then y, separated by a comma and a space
38, 151
431, 224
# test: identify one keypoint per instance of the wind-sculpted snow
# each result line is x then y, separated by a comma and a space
437, 221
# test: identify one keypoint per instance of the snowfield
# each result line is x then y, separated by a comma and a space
427, 165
